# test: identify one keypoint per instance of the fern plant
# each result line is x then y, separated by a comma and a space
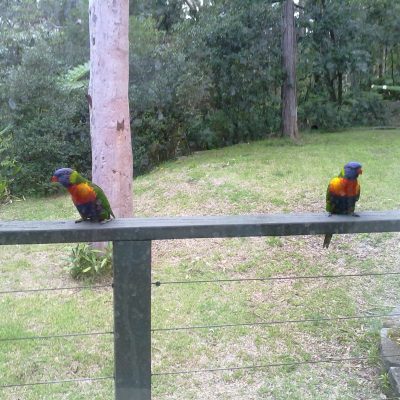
86, 262
75, 78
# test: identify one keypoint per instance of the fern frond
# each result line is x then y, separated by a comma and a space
76, 78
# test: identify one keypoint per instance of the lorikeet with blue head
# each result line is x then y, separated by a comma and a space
89, 199
343, 193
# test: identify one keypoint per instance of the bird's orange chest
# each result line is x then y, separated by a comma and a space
344, 187
82, 193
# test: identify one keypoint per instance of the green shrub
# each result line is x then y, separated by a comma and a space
155, 139
86, 262
220, 128
320, 113
367, 108
49, 125
363, 108
47, 142
8, 165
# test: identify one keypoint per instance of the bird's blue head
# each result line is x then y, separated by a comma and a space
62, 176
352, 170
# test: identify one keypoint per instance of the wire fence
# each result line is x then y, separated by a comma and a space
57, 382
52, 289
342, 360
348, 361
271, 365
199, 327
278, 278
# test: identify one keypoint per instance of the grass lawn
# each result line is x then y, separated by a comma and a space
262, 177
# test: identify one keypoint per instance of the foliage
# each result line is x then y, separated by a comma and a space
75, 78
383, 17
8, 167
86, 262
203, 75
367, 108
49, 127
237, 47
152, 85
46, 120
358, 109
338, 62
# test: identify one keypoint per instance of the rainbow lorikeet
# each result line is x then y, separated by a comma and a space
343, 193
89, 199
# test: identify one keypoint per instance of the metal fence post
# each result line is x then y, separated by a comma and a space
132, 319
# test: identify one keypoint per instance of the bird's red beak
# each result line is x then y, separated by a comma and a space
54, 179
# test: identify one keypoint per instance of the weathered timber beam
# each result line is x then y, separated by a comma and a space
30, 232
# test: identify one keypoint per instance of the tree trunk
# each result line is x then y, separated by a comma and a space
340, 88
108, 102
380, 69
289, 102
330, 84
392, 66
384, 61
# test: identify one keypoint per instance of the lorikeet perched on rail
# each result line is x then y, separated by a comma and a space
343, 193
89, 199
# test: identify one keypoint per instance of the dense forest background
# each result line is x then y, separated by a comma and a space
203, 74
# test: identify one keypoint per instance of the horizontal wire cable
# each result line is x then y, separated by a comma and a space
159, 283
64, 335
276, 322
262, 366
231, 396
327, 276
100, 378
51, 289
187, 372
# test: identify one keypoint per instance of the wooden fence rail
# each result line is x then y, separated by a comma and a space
132, 265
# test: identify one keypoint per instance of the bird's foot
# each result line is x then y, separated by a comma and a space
79, 220
104, 221
355, 215
330, 215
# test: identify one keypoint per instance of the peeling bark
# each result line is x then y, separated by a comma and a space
108, 102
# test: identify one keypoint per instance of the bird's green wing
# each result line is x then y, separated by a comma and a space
328, 200
102, 198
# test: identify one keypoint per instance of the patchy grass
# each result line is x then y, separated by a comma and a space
262, 177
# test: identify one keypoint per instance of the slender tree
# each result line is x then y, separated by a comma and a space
289, 102
108, 102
